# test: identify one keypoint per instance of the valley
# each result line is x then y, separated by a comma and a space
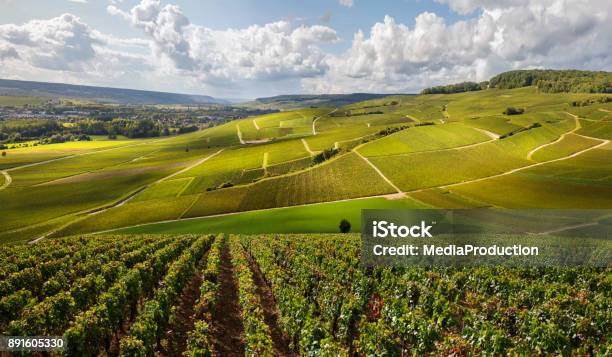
439, 150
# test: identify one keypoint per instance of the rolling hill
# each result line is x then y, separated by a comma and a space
277, 185
100, 94
320, 164
296, 101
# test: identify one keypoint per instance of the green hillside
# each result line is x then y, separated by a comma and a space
298, 101
545, 80
438, 150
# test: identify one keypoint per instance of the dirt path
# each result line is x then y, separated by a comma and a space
197, 163
397, 195
176, 335
136, 192
245, 142
239, 133
536, 149
83, 154
491, 134
604, 142
604, 110
7, 180
271, 313
379, 172
462, 147
227, 330
255, 124
314, 121
561, 137
312, 153
121, 201
416, 120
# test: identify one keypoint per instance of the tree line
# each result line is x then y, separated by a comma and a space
456, 88
49, 131
548, 81
555, 81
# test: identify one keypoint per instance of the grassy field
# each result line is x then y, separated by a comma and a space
424, 138
468, 155
317, 218
568, 145
344, 178
19, 101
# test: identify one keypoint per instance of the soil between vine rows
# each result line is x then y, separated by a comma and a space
227, 329
271, 314
176, 336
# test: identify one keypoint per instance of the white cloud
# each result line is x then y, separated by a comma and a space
272, 51
79, 1
175, 54
66, 49
516, 34
62, 43
347, 3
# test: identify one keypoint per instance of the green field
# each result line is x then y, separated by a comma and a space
317, 218
455, 150
18, 101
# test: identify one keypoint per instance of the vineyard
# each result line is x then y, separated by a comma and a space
456, 150
288, 295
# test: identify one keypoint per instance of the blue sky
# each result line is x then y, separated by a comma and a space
223, 14
254, 48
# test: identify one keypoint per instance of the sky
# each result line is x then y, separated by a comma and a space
256, 48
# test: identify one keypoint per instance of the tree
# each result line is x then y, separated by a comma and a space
4, 153
456, 88
513, 111
345, 226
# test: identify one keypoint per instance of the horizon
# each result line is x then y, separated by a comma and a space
196, 94
267, 48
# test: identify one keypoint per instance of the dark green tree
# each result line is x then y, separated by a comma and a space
345, 226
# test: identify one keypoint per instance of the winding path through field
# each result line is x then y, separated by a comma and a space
414, 119
578, 126
399, 194
491, 134
379, 172
245, 142
136, 192
314, 121
312, 153
7, 180
121, 201
604, 142
197, 163
239, 133
255, 123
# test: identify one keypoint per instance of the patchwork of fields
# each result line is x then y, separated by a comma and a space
455, 150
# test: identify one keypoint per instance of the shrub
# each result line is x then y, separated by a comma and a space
345, 226
325, 155
514, 111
